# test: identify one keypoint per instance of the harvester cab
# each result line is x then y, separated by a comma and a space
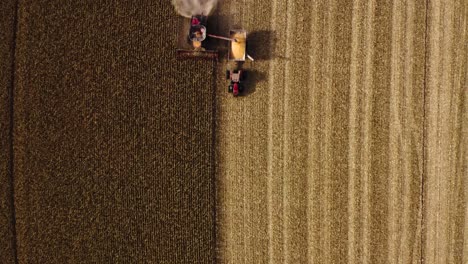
197, 32
195, 44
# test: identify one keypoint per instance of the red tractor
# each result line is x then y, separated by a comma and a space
236, 78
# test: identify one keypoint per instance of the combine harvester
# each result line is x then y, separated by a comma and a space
196, 45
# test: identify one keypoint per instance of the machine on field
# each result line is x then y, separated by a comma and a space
236, 78
197, 45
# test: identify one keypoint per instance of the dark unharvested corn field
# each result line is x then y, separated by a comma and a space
112, 138
349, 145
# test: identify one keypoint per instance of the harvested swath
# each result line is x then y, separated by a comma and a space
446, 129
323, 160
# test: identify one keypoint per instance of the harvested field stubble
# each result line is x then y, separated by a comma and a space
326, 161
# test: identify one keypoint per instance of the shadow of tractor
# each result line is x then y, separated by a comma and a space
251, 79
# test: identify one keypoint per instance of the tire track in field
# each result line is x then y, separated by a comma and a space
326, 126
276, 116
314, 181
353, 206
395, 134
273, 252
405, 167
366, 133
295, 132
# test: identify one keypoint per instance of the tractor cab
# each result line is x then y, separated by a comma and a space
236, 77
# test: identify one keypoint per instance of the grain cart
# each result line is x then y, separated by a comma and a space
237, 53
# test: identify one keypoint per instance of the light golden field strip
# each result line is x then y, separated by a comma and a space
446, 145
356, 113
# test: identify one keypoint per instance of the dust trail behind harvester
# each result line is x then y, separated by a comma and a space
187, 8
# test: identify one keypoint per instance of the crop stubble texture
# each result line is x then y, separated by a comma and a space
112, 137
446, 120
325, 160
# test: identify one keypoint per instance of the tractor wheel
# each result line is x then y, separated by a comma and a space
230, 89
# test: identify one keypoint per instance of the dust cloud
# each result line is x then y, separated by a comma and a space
187, 8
